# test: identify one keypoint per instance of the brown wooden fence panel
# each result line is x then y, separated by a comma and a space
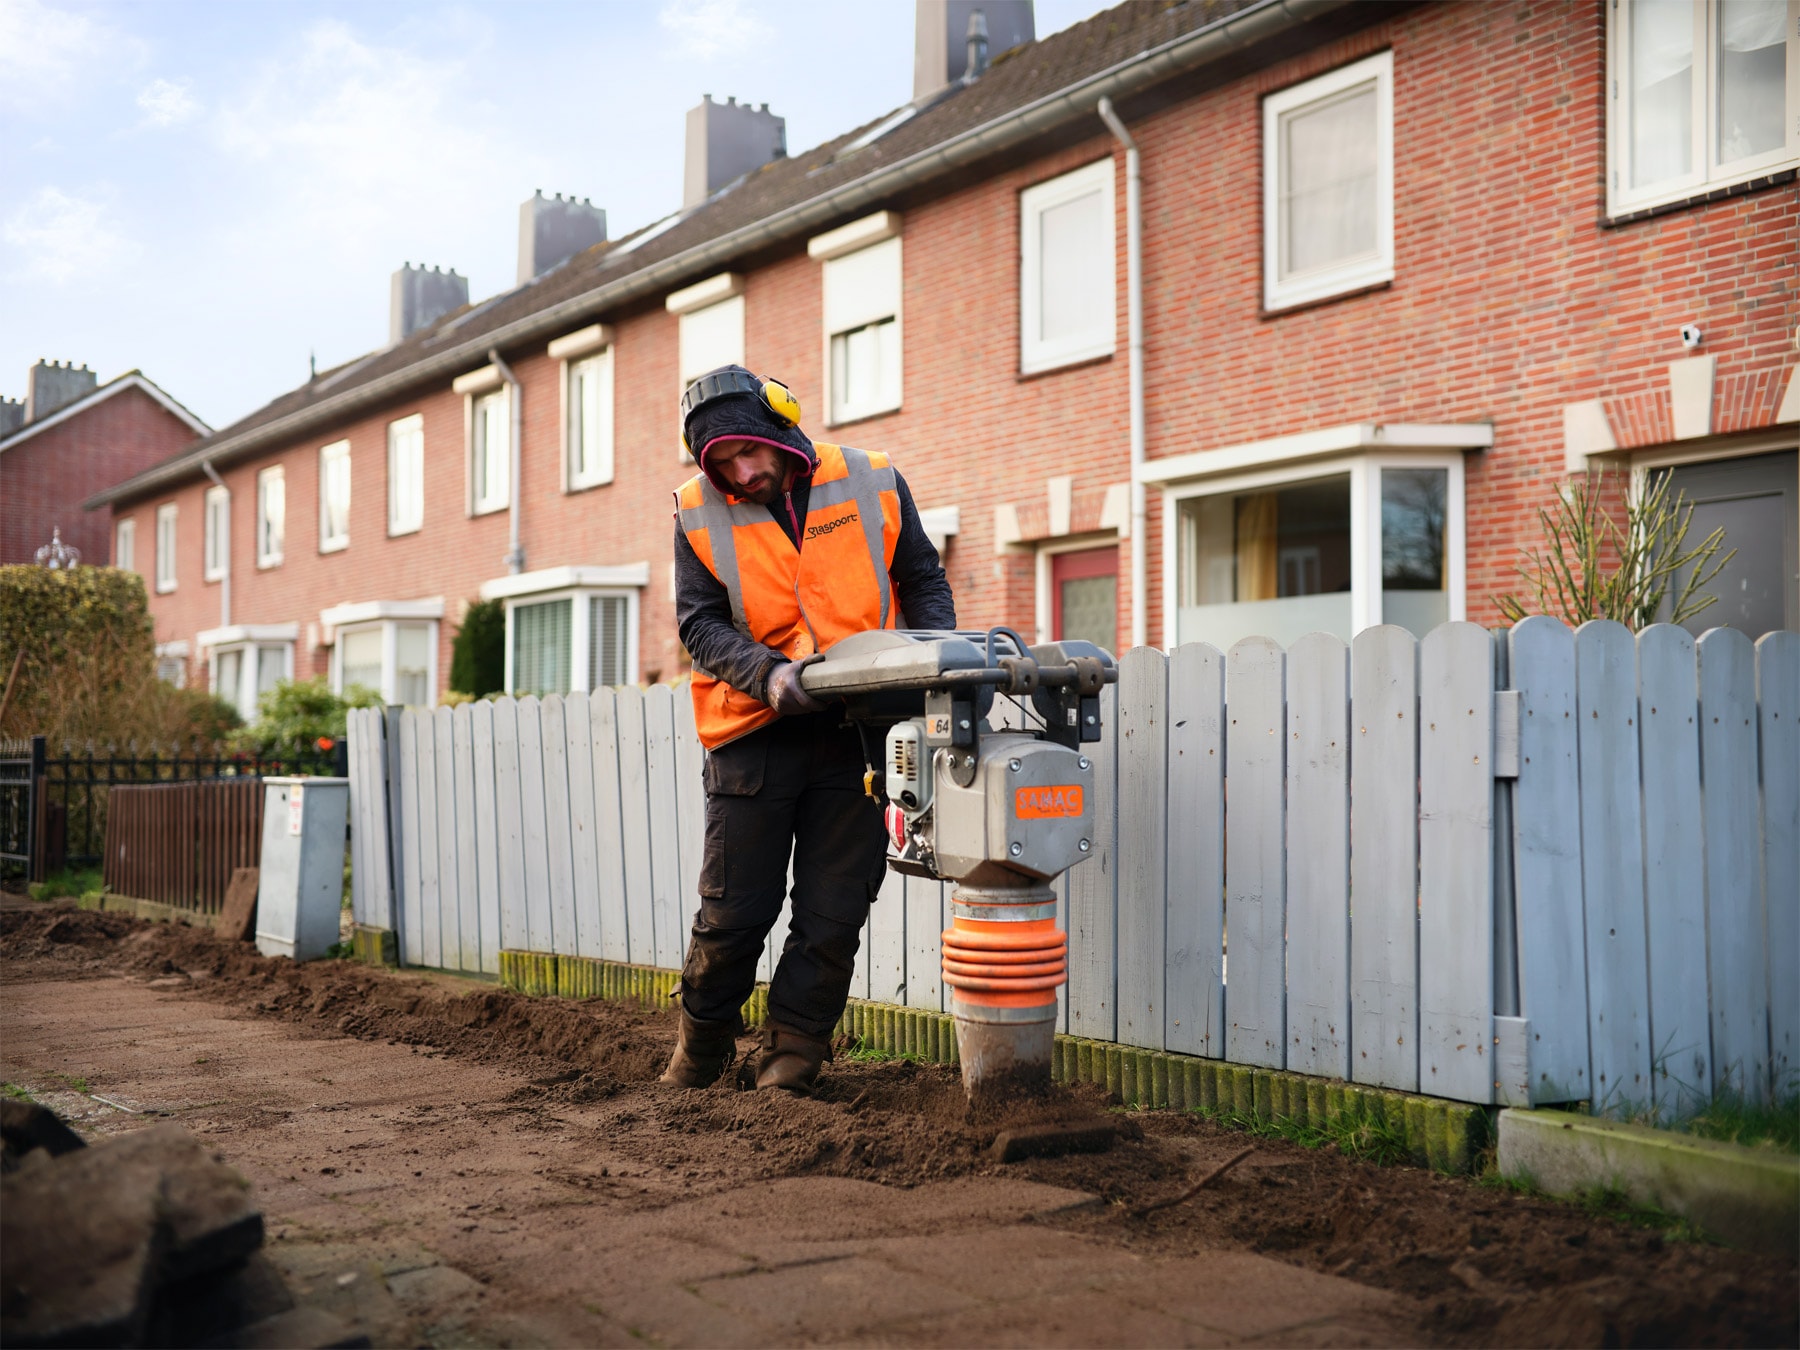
178, 843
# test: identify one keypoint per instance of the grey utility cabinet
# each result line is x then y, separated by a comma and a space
301, 889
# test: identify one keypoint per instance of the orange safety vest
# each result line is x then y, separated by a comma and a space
797, 601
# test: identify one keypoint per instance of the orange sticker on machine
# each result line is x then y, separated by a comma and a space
1051, 800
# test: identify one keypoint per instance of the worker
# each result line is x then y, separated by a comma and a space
783, 547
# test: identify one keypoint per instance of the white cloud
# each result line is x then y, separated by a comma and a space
166, 102
49, 54
703, 29
59, 235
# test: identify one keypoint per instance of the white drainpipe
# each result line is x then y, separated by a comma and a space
225, 544
515, 395
1134, 301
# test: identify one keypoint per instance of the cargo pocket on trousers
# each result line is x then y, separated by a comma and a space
736, 769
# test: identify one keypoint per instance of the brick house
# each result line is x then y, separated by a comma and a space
70, 437
1400, 269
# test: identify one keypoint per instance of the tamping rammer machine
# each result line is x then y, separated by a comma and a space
1000, 810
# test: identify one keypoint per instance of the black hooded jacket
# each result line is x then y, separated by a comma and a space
702, 608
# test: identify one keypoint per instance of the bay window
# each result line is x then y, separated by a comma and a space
246, 661
387, 647
570, 628
1703, 94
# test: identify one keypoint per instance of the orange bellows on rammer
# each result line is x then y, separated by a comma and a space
1003, 969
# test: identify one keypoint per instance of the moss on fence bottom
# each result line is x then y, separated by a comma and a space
1428, 1131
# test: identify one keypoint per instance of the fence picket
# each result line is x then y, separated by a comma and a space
1384, 841
1194, 1011
558, 829
1143, 849
690, 800
609, 839
1318, 845
1456, 863
449, 859
584, 938
515, 924
468, 879
1736, 919
432, 824
486, 836
1674, 877
412, 807
886, 940
1255, 855
925, 924
1093, 896
1778, 715
540, 927
634, 815
665, 830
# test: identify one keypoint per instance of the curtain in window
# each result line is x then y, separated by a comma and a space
1257, 554
541, 648
359, 659
273, 522
607, 640
1662, 90
229, 684
1328, 182
412, 665
865, 370
1752, 77
1075, 272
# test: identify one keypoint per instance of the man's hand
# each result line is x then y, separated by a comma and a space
786, 696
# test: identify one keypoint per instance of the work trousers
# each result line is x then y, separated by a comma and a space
793, 789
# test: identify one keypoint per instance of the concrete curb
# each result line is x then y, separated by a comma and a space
1445, 1135
109, 903
1747, 1197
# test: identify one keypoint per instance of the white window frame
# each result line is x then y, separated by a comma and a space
1365, 525
328, 455
125, 544
718, 299
600, 362
405, 426
249, 639
1035, 354
1708, 174
1359, 273
168, 538
270, 550
215, 516
837, 252
390, 655
500, 396
580, 617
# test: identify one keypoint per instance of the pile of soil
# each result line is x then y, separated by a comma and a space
1490, 1266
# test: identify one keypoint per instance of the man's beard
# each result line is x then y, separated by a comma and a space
762, 492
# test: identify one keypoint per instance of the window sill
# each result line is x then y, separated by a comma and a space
268, 564
213, 578
400, 534
573, 488
487, 510
169, 589
336, 547
1779, 178
871, 416
1349, 292
1075, 363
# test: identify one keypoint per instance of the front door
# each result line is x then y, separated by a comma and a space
1756, 501
1084, 596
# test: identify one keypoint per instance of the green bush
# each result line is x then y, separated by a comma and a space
88, 671
478, 652
296, 714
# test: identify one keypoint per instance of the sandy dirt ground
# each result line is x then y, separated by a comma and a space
447, 1163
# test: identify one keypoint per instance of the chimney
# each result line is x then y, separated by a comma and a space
55, 384
418, 297
12, 415
552, 230
943, 39
725, 141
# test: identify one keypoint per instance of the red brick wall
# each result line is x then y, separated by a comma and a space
44, 480
1510, 299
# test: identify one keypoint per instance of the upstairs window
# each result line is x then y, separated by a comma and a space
125, 546
1067, 308
1703, 95
406, 474
711, 329
590, 426
271, 515
334, 496
218, 533
862, 326
490, 448
1328, 184
165, 548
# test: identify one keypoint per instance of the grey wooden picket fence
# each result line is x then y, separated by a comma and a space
1520, 867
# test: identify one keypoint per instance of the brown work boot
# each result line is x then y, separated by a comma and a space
790, 1059
702, 1050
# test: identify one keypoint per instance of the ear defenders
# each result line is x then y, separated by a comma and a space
719, 383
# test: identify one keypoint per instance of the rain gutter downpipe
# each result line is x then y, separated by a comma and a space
206, 467
1134, 324
515, 396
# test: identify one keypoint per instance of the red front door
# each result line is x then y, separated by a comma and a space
1084, 596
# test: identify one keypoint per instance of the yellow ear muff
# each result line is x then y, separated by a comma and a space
781, 402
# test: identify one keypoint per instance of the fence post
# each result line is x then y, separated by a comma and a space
396, 862
34, 810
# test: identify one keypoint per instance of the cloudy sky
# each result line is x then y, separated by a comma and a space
213, 192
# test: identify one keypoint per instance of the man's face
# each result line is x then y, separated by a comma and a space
751, 470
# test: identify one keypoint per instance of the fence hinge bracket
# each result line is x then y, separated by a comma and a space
1506, 733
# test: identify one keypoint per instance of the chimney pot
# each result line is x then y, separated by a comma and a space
55, 384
